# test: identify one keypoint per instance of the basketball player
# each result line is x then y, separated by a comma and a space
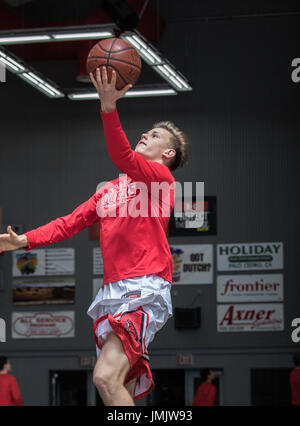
134, 301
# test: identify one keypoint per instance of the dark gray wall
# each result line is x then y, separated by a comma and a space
242, 118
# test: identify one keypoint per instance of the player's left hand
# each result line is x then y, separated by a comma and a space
107, 91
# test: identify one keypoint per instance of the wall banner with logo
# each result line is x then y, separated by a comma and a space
249, 256
192, 264
43, 325
42, 262
250, 317
250, 288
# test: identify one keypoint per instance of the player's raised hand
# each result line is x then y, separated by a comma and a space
107, 91
12, 241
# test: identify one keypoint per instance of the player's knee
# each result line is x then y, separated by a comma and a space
105, 381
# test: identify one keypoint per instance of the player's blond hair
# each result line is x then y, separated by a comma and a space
178, 141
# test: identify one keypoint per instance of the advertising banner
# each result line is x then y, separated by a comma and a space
250, 317
43, 325
249, 256
43, 262
43, 290
192, 264
250, 288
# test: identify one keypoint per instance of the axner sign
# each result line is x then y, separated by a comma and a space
250, 317
248, 249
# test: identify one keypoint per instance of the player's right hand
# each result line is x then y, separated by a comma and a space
107, 91
12, 241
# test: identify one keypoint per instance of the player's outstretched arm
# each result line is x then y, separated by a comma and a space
55, 231
118, 146
107, 91
12, 241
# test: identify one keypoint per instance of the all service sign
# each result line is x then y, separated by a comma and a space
250, 317
250, 288
249, 256
30, 325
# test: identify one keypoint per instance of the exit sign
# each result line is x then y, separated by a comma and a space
86, 361
184, 359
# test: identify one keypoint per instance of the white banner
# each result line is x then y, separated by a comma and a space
250, 317
192, 264
97, 262
250, 288
43, 325
43, 262
249, 256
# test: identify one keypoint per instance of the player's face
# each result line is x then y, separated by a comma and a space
154, 143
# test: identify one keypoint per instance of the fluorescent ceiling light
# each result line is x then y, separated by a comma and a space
129, 94
83, 35
150, 92
40, 84
146, 52
176, 81
44, 83
159, 64
83, 96
11, 63
139, 41
147, 55
24, 39
173, 77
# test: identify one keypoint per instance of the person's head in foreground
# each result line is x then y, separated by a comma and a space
166, 144
207, 375
296, 359
5, 366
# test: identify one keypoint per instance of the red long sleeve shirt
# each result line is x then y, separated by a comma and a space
295, 386
205, 395
130, 246
9, 391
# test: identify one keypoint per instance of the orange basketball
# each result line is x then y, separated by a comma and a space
115, 54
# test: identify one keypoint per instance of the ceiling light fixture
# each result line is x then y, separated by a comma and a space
133, 93
11, 63
16, 66
158, 63
41, 85
147, 51
82, 36
55, 34
24, 39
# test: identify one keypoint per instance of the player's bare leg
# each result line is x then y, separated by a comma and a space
131, 387
110, 372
